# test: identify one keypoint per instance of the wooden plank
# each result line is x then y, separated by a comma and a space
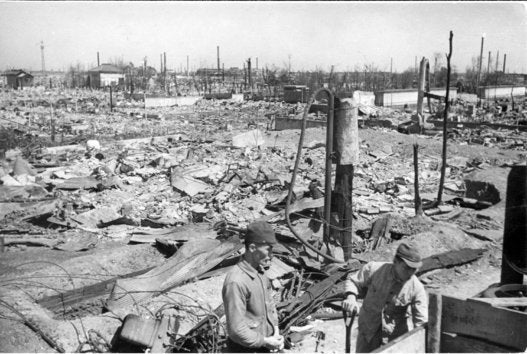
433, 336
478, 319
410, 342
503, 301
452, 343
449, 259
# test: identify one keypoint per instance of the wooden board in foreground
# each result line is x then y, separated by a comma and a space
411, 342
481, 320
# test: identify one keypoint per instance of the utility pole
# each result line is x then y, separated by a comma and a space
480, 58
42, 56
165, 71
218, 57
249, 74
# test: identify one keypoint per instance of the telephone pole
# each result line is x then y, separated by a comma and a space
42, 56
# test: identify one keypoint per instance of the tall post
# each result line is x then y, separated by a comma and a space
479, 66
187, 64
514, 253
497, 61
98, 62
421, 93
346, 146
218, 57
417, 199
445, 119
165, 71
488, 64
223, 73
249, 74
111, 99
504, 60
433, 337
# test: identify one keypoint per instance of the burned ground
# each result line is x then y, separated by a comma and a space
122, 193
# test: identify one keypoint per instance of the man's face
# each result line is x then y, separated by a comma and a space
262, 253
402, 271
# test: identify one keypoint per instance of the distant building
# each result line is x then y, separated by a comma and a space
296, 93
18, 79
105, 75
400, 98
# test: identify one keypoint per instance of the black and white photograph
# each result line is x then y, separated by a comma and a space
263, 176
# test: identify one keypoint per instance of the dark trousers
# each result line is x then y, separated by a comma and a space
233, 347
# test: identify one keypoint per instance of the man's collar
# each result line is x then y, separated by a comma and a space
248, 268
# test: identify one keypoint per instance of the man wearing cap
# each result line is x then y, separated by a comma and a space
391, 291
252, 320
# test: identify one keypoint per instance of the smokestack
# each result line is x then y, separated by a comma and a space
256, 63
488, 63
504, 60
497, 60
218, 55
161, 62
187, 65
249, 73
98, 63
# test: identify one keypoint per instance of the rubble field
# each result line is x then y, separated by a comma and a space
110, 211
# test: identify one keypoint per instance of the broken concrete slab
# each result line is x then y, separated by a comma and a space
97, 217
489, 185
253, 138
188, 185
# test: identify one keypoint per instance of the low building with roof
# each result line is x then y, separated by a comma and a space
105, 75
17, 79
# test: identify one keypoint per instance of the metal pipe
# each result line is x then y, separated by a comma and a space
329, 151
295, 170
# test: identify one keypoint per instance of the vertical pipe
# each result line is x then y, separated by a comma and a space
329, 152
346, 147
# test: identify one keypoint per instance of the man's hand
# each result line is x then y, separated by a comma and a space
275, 342
350, 304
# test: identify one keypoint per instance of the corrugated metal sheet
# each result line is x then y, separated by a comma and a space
192, 259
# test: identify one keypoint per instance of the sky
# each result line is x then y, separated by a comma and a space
308, 35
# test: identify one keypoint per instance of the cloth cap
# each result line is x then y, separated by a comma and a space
410, 255
260, 232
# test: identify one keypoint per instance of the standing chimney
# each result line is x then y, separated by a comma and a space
98, 63
504, 60
218, 55
187, 65
497, 60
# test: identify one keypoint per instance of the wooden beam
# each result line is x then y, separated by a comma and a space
434, 96
410, 342
480, 320
503, 301
433, 336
